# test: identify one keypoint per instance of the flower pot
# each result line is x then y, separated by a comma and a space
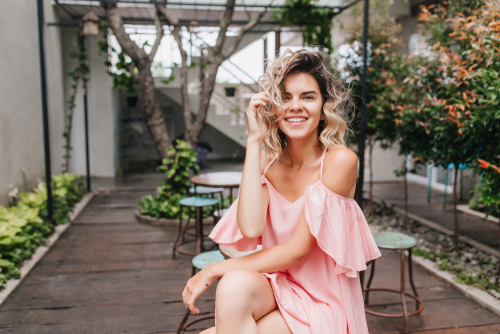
230, 91
132, 101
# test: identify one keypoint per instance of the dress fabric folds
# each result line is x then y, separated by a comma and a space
322, 295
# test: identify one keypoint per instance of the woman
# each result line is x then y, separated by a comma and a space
296, 201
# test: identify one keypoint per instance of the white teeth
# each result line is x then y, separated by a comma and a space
296, 119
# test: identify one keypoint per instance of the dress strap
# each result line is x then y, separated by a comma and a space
321, 168
268, 165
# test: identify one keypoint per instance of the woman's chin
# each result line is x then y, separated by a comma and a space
297, 134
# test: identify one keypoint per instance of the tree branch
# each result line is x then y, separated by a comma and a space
159, 35
171, 20
243, 30
224, 24
134, 75
186, 110
128, 46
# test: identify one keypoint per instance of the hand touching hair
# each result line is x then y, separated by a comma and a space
333, 127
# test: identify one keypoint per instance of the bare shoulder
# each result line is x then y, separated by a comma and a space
340, 170
341, 157
265, 159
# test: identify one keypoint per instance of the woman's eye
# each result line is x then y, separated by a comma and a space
309, 97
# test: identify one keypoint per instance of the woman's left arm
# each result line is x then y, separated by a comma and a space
272, 259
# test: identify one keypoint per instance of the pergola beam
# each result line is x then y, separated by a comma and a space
196, 4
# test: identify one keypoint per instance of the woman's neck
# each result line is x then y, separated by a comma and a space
301, 151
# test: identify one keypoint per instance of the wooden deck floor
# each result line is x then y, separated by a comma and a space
109, 274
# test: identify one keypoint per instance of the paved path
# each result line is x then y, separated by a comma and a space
109, 274
485, 232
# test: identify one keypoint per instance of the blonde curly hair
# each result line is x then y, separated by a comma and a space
337, 104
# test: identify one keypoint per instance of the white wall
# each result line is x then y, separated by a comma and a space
384, 164
21, 130
101, 110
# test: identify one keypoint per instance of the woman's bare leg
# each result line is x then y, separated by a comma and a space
242, 298
271, 323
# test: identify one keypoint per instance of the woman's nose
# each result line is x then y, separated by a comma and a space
295, 105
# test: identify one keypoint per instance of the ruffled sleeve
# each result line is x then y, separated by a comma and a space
340, 228
227, 232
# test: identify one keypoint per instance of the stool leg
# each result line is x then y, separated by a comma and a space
216, 208
372, 272
180, 329
410, 268
179, 234
403, 299
187, 225
202, 234
198, 230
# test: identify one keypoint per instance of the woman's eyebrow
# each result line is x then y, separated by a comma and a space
304, 93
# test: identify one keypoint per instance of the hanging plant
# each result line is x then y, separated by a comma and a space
316, 23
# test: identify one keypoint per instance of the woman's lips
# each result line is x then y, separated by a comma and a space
296, 120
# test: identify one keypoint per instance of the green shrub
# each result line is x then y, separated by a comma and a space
177, 167
26, 226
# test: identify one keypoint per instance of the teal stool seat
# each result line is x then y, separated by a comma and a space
204, 259
196, 203
199, 262
401, 242
394, 240
205, 190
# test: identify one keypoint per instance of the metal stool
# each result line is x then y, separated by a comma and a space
401, 242
201, 190
199, 262
198, 203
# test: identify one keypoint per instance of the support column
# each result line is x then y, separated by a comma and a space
265, 54
45, 108
277, 43
359, 190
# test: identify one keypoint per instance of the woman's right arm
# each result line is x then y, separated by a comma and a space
253, 199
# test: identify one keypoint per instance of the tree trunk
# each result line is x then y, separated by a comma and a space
455, 211
405, 181
143, 80
207, 83
147, 101
370, 195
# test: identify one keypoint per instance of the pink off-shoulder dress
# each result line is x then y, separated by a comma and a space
323, 295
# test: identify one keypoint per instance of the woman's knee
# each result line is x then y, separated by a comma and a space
237, 286
210, 330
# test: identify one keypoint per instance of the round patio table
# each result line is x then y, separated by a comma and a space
219, 180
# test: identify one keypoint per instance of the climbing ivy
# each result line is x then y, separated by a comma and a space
78, 74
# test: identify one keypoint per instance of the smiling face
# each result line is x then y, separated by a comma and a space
302, 105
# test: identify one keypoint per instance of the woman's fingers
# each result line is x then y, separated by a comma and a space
193, 289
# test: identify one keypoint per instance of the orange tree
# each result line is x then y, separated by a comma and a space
405, 95
480, 32
459, 86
